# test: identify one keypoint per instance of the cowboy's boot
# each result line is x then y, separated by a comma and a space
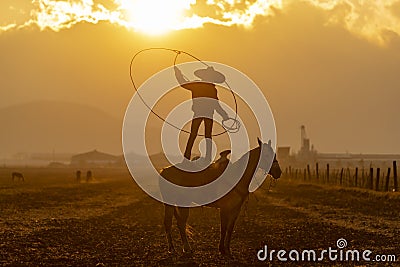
208, 150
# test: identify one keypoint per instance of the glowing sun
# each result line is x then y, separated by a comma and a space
155, 16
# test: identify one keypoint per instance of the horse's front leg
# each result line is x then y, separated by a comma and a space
233, 214
168, 214
224, 221
182, 217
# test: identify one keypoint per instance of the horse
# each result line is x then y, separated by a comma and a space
78, 176
17, 175
229, 205
89, 176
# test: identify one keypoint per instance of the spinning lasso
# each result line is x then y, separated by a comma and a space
233, 128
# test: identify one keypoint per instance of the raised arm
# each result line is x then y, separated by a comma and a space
181, 80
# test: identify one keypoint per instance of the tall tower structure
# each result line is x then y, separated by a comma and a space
305, 142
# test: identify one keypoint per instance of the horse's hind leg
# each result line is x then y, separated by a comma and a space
181, 217
168, 214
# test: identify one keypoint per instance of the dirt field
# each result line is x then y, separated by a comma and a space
52, 220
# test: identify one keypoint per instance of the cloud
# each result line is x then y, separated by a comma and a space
368, 19
8, 27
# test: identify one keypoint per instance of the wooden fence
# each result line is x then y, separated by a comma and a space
372, 178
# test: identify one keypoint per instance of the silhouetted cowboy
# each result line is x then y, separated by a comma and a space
202, 110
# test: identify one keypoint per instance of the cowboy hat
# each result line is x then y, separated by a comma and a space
210, 75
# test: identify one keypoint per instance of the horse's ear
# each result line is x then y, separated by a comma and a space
259, 142
269, 143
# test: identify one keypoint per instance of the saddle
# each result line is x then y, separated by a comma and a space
177, 175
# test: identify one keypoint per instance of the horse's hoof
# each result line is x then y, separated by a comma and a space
228, 255
187, 253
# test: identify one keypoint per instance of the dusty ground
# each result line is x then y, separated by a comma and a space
52, 220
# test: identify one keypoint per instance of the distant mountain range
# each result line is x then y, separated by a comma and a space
44, 126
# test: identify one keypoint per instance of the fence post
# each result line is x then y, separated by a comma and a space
396, 185
378, 173
316, 171
371, 177
309, 172
305, 174
348, 180
387, 180
356, 177
327, 173
341, 177
362, 183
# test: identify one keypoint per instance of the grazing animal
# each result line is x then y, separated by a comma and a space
89, 176
78, 176
18, 175
229, 205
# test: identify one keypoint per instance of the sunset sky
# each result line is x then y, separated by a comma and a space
333, 66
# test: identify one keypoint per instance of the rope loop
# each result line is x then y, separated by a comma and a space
233, 128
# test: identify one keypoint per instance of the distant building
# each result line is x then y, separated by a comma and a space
95, 158
307, 153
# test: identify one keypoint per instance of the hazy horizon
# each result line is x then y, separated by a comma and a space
116, 150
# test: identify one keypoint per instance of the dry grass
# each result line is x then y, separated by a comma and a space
52, 220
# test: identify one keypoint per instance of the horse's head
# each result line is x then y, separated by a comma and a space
267, 155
